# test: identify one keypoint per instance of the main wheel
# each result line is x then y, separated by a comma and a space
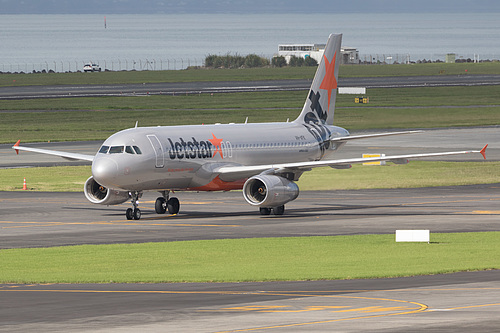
279, 210
129, 214
137, 214
173, 206
161, 205
265, 211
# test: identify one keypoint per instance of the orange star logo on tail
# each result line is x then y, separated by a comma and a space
217, 144
329, 82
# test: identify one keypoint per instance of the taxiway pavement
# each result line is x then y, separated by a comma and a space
168, 88
446, 303
38, 219
461, 302
466, 301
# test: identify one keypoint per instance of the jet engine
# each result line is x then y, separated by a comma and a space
269, 191
98, 194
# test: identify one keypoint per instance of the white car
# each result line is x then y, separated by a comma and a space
91, 68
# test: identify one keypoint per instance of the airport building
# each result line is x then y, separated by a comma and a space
349, 54
450, 58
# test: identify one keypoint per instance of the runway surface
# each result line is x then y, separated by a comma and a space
444, 303
461, 302
34, 219
24, 92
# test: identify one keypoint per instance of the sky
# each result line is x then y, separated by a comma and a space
245, 6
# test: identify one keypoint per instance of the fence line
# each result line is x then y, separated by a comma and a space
183, 63
406, 58
105, 65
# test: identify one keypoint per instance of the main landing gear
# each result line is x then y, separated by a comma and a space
165, 203
135, 213
280, 210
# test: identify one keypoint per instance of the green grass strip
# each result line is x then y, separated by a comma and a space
247, 74
420, 69
414, 174
51, 179
258, 259
70, 119
193, 75
220, 102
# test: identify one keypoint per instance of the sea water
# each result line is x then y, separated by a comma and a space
66, 42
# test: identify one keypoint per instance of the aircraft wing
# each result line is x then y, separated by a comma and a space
238, 172
67, 155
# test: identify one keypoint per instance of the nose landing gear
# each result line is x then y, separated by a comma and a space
135, 213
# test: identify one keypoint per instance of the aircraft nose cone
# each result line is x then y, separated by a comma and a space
104, 170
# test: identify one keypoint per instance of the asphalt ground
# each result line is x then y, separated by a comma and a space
445, 303
466, 301
42, 219
440, 303
24, 92
461, 302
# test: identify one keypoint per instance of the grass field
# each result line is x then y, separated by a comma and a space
68, 119
420, 69
414, 174
248, 74
97, 118
192, 75
257, 259
305, 258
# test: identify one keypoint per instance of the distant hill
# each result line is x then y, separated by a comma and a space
245, 6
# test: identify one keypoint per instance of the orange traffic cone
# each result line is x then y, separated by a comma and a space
24, 184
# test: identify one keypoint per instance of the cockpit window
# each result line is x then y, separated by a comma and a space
120, 150
104, 149
137, 150
116, 150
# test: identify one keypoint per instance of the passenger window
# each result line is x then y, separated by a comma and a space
104, 149
116, 150
129, 150
137, 150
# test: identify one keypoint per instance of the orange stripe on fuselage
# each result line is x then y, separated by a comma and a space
219, 185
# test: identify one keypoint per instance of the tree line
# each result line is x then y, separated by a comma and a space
253, 60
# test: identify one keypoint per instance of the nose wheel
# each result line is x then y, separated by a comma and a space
134, 213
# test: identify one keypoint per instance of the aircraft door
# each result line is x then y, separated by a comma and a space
157, 147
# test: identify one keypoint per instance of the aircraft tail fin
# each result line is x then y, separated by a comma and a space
320, 103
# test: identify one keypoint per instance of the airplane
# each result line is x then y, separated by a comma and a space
262, 159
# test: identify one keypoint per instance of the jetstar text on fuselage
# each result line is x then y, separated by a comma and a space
183, 149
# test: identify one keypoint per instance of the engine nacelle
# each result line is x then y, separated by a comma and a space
269, 191
98, 194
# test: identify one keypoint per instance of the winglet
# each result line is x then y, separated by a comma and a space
17, 145
483, 151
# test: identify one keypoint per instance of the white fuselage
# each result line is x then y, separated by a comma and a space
185, 157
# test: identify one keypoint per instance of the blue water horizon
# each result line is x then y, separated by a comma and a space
173, 41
